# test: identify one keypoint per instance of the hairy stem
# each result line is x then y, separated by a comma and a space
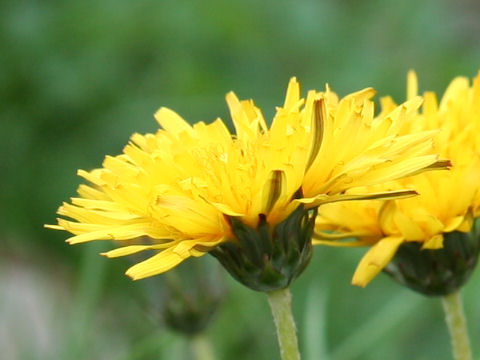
457, 326
281, 304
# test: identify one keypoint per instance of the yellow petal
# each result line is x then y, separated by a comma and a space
93, 177
225, 209
326, 237
171, 121
245, 127
293, 93
340, 243
384, 195
132, 249
407, 226
412, 85
155, 265
171, 257
435, 242
375, 260
467, 223
453, 223
54, 227
361, 95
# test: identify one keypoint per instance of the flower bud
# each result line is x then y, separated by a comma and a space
188, 296
436, 272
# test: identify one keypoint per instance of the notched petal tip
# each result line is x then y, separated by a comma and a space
362, 95
232, 100
365, 273
170, 121
293, 93
360, 282
132, 276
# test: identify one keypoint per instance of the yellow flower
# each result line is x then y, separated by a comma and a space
181, 191
448, 200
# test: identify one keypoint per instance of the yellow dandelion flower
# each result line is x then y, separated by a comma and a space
189, 190
448, 201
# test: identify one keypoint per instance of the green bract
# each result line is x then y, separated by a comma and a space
268, 258
436, 272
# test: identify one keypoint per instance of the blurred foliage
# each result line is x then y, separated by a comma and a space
78, 77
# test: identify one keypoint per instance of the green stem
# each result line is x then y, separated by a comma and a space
88, 291
281, 304
201, 348
457, 326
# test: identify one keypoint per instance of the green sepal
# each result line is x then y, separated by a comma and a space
268, 258
436, 272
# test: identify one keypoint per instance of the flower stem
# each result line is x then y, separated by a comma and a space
281, 304
201, 348
457, 326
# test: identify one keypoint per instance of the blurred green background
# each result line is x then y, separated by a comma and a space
78, 77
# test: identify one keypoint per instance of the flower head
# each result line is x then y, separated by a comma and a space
187, 190
448, 200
